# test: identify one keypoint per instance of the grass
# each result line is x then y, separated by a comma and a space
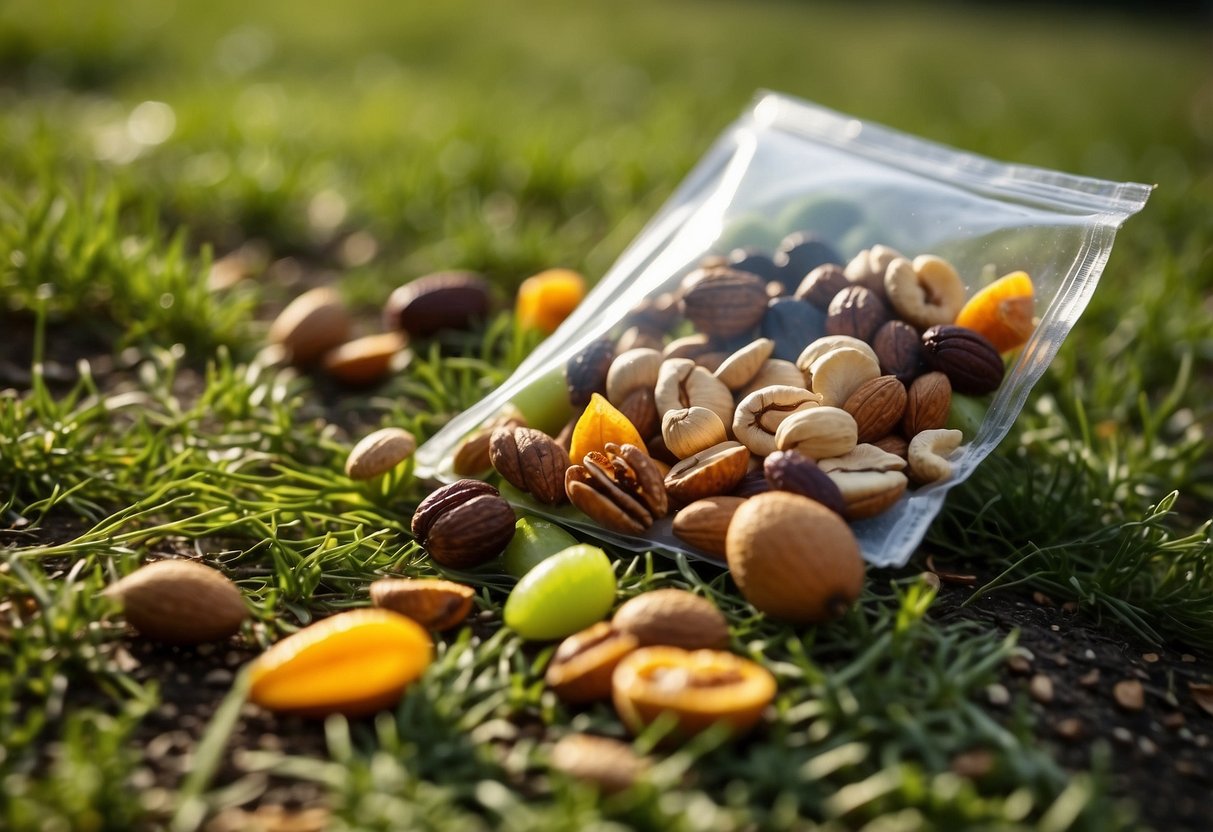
467, 135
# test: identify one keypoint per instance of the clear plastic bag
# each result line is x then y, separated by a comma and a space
789, 166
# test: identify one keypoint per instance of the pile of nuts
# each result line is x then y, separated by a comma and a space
793, 373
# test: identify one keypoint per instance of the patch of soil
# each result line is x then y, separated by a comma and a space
1083, 683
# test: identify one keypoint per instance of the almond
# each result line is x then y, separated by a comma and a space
673, 617
927, 404
705, 522
180, 602
379, 452
877, 406
364, 361
311, 325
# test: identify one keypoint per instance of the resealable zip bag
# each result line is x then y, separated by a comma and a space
787, 166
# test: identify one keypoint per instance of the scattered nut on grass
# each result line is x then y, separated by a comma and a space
379, 452
180, 602
609, 764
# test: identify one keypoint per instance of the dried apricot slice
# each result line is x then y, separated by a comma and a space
546, 299
354, 663
1002, 311
600, 423
700, 688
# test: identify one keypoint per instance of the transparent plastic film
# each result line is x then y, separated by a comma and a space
789, 171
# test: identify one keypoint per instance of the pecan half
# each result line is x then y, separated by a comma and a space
530, 460
620, 489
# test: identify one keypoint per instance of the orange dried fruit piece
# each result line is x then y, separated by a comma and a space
546, 299
354, 663
1003, 311
701, 688
600, 423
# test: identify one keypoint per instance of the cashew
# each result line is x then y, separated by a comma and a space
838, 373
824, 344
928, 452
739, 369
630, 370
689, 430
818, 432
757, 419
870, 479
863, 457
868, 267
926, 292
774, 371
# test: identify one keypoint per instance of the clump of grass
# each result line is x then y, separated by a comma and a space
78, 259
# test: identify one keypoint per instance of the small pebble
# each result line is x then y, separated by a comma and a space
1041, 688
1019, 664
1089, 654
1129, 694
973, 764
1089, 679
1061, 661
1042, 599
1173, 720
1187, 768
205, 649
998, 695
1070, 728
1147, 746
1122, 735
1150, 657
1187, 657
1070, 606
220, 677
1055, 628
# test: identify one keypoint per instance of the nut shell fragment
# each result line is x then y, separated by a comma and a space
433, 603
580, 669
